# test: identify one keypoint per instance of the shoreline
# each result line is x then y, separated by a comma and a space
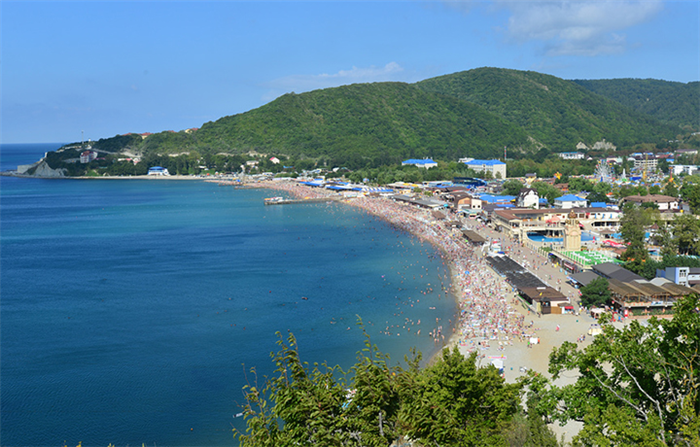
492, 320
416, 222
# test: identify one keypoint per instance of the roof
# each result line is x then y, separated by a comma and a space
484, 162
543, 294
473, 236
489, 198
417, 161
653, 198
569, 198
525, 191
614, 271
586, 277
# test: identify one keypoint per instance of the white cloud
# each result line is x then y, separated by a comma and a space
578, 28
582, 28
304, 83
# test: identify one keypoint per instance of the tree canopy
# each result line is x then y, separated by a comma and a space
636, 386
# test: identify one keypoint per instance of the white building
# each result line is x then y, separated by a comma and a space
663, 203
421, 163
158, 170
87, 156
528, 198
571, 155
687, 169
569, 201
496, 168
645, 162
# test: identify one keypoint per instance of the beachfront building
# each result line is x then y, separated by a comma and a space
631, 294
496, 168
421, 163
158, 170
663, 203
517, 222
569, 201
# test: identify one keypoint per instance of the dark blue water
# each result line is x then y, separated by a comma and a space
132, 309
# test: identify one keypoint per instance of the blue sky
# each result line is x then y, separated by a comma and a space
108, 68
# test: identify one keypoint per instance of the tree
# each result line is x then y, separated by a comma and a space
451, 403
316, 407
685, 229
546, 190
596, 196
596, 293
512, 187
639, 385
632, 228
456, 403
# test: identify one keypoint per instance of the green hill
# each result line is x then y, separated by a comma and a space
673, 103
473, 113
390, 121
555, 112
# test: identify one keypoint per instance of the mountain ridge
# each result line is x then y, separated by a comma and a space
471, 113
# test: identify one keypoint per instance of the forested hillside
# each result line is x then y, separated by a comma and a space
473, 113
669, 102
556, 112
384, 121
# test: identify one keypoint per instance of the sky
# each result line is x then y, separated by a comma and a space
96, 69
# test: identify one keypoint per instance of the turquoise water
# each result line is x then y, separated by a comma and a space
585, 237
132, 310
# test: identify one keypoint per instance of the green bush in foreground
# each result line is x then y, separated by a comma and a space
452, 402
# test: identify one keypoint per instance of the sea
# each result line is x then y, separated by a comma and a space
133, 312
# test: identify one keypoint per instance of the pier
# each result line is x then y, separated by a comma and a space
297, 201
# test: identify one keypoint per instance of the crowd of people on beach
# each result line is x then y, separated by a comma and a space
487, 315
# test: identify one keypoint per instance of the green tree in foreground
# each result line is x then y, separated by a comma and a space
637, 386
596, 293
453, 402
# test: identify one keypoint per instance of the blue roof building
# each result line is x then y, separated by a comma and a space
421, 163
496, 168
569, 201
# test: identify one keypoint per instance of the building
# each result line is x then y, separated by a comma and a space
421, 163
496, 168
87, 156
158, 170
528, 198
517, 222
571, 155
644, 162
663, 203
680, 169
569, 201
463, 201
572, 233
684, 276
